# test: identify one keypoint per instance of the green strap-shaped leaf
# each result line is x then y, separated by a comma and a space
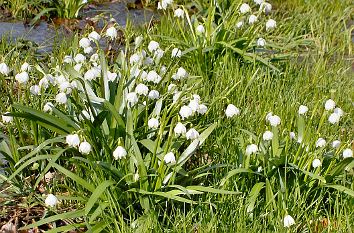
253, 195
234, 172
165, 195
114, 113
41, 116
211, 190
67, 215
341, 188
74, 177
32, 160
96, 195
105, 86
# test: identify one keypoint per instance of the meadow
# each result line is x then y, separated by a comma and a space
219, 116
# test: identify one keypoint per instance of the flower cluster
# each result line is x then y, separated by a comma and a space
253, 17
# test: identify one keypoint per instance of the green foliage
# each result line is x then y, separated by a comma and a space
215, 176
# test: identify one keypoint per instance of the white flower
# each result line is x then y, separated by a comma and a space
181, 73
261, 42
202, 109
141, 89
153, 46
244, 8
303, 109
271, 24
266, 7
239, 24
274, 120
185, 112
158, 55
90, 75
77, 67
65, 87
169, 158
179, 13
135, 58
25, 67
111, 32
252, 19
150, 61
194, 105
43, 83
196, 97
330, 105
200, 29
231, 111
94, 36
288, 221
153, 123
269, 114
163, 70
119, 153
135, 72
258, 2
85, 148
180, 129
152, 76
88, 50
192, 134
316, 163
48, 107
84, 42
51, 200
73, 140
111, 76
7, 119
79, 58
35, 90
267, 136
59, 79
68, 59
251, 149
163, 4
320, 142
61, 98
132, 98
176, 52
22, 77
334, 118
347, 153
4, 69
338, 111
73, 84
153, 95
292, 135
335, 143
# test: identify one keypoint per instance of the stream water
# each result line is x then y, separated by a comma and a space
44, 34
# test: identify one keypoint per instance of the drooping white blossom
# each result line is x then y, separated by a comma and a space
119, 153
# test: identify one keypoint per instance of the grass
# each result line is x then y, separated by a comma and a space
313, 46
